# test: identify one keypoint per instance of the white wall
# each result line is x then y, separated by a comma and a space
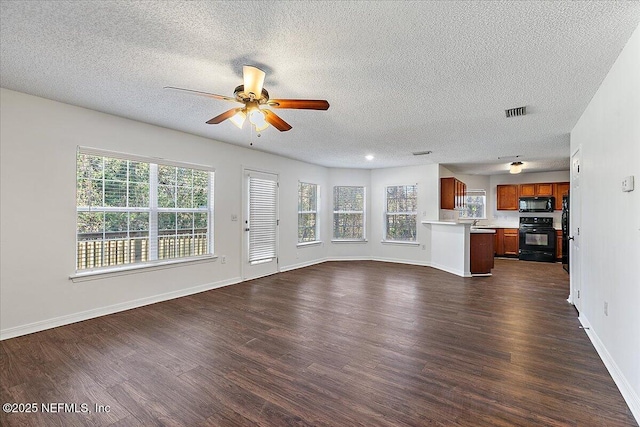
350, 250
427, 179
608, 134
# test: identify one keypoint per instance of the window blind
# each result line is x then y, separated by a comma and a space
262, 219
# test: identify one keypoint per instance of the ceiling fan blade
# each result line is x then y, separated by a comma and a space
274, 120
224, 116
300, 104
253, 80
197, 92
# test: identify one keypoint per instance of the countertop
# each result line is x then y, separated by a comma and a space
482, 230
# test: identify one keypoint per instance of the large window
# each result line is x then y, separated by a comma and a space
401, 213
132, 211
307, 213
348, 213
475, 205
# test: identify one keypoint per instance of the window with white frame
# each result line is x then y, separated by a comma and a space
475, 205
132, 210
348, 213
401, 214
308, 213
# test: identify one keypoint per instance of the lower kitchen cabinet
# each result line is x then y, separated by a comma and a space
559, 245
511, 238
481, 256
506, 242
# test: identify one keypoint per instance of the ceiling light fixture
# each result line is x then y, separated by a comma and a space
515, 167
238, 119
256, 117
253, 81
369, 157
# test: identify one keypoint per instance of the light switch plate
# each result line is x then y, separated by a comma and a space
627, 183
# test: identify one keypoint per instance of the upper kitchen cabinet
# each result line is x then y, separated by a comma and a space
452, 193
560, 189
536, 189
507, 197
545, 189
527, 190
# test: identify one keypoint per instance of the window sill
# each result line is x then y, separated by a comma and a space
349, 241
124, 270
305, 244
400, 242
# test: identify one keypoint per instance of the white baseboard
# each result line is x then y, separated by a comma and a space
350, 258
102, 311
302, 265
628, 393
457, 272
402, 261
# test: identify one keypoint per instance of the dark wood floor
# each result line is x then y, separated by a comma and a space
337, 344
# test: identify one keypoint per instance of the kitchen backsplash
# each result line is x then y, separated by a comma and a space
503, 219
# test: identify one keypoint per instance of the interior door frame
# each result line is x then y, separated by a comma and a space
244, 258
575, 222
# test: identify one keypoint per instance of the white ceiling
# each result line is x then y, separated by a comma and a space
400, 76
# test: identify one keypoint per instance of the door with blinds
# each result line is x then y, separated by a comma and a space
260, 247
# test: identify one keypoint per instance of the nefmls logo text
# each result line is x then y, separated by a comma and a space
54, 407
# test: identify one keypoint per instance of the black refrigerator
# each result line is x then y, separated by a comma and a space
565, 232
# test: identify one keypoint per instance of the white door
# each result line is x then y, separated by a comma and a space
260, 221
575, 257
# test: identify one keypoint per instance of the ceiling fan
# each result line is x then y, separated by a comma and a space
255, 99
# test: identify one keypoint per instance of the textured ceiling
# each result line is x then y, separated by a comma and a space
400, 76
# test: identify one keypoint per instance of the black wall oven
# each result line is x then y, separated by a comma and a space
536, 204
537, 239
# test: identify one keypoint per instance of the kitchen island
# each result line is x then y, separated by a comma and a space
451, 248
481, 251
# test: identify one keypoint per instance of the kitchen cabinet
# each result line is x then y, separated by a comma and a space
481, 255
560, 189
527, 190
507, 197
452, 193
506, 242
545, 189
536, 190
511, 238
559, 245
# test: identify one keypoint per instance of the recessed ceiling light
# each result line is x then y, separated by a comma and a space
369, 157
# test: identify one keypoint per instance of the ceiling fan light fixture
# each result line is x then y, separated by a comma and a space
515, 167
256, 117
253, 80
238, 119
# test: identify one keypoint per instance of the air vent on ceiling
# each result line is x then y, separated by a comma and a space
515, 112
421, 153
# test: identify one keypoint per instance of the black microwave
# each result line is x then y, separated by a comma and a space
537, 204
